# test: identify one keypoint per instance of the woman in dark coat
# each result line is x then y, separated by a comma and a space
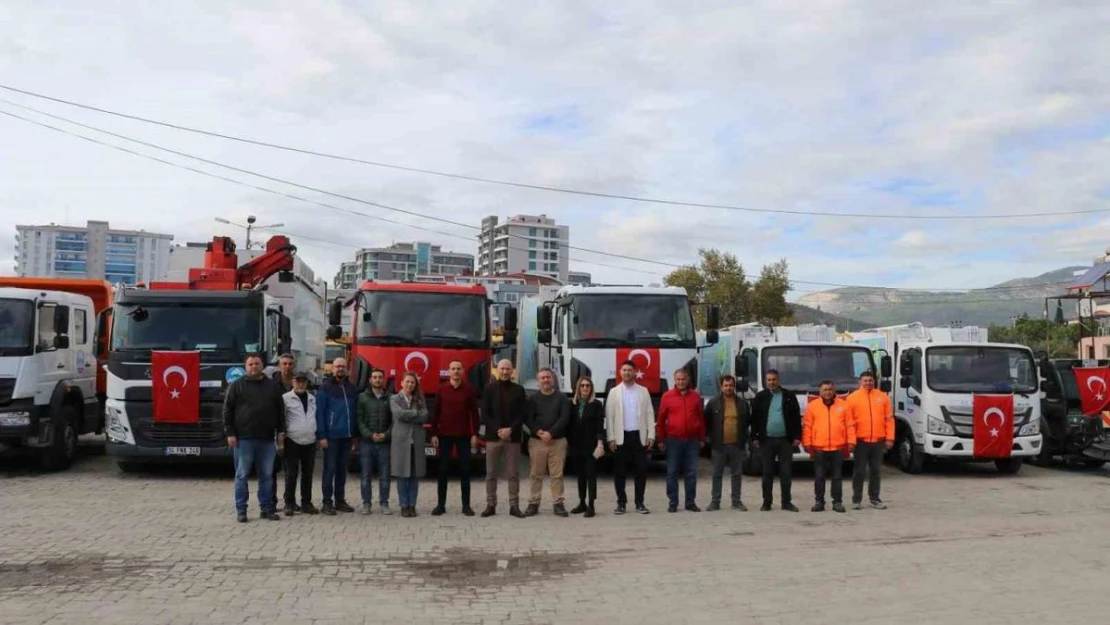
587, 442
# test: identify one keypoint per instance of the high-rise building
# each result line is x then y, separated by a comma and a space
579, 277
523, 243
93, 251
402, 261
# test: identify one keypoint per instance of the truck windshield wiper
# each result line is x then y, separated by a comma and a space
603, 341
389, 340
445, 337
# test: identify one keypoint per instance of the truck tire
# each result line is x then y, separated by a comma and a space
1045, 458
1008, 466
911, 459
127, 467
63, 447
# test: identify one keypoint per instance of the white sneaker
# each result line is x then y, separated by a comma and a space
364, 510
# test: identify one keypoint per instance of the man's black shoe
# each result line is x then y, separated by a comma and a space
838, 507
489, 511
580, 508
296, 508
817, 507
642, 509
308, 508
515, 511
590, 513
241, 517
468, 511
765, 507
328, 509
620, 509
342, 506
672, 508
561, 510
533, 510
789, 507
270, 516
693, 508
290, 510
438, 511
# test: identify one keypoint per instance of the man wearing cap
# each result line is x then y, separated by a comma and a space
300, 445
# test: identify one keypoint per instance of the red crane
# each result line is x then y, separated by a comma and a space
221, 270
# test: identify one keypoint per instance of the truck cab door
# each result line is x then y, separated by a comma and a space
52, 353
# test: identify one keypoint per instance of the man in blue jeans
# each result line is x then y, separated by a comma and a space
374, 424
253, 415
336, 411
680, 429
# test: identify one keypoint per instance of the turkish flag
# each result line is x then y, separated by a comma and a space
1093, 383
993, 429
176, 378
648, 366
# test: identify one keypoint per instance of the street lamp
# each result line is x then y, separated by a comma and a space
248, 226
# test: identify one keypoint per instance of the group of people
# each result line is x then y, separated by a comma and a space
267, 416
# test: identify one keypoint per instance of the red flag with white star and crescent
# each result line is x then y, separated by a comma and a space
1093, 384
648, 367
176, 380
993, 428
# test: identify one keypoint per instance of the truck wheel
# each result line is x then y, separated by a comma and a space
127, 467
63, 448
910, 459
1008, 466
1045, 457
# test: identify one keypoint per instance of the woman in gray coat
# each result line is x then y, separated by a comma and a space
406, 451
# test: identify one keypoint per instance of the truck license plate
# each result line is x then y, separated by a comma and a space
183, 451
430, 451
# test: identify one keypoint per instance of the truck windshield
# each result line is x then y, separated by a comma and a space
17, 324
332, 351
802, 368
400, 318
980, 369
618, 320
182, 326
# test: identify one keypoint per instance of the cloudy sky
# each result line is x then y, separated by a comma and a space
872, 107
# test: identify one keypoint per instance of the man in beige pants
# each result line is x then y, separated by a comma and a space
504, 405
547, 421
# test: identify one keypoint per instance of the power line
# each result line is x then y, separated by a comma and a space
385, 206
265, 189
540, 187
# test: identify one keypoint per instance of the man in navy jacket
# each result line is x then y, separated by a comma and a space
336, 426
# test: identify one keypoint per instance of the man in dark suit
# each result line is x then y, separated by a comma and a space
776, 430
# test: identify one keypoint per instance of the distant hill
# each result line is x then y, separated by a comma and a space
805, 314
983, 307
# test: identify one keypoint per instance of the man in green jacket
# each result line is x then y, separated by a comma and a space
374, 423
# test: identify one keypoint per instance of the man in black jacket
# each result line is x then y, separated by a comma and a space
727, 420
254, 413
504, 405
776, 430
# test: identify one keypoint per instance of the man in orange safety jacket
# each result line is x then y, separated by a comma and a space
826, 434
873, 420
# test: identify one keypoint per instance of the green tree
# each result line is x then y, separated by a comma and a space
1043, 336
719, 279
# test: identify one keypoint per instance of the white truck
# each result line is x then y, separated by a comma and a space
940, 369
590, 330
803, 355
48, 372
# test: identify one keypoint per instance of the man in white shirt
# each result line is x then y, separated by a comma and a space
300, 445
630, 424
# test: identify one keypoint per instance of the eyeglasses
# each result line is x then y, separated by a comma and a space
585, 385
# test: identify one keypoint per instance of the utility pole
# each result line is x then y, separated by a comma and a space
249, 226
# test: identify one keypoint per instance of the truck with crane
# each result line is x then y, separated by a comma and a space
51, 344
419, 327
941, 370
222, 313
803, 355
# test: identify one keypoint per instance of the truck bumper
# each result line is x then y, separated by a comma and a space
962, 448
23, 424
125, 451
1098, 451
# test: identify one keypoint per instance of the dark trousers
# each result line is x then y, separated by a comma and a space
585, 465
777, 451
682, 456
868, 460
300, 460
732, 458
335, 470
461, 445
831, 464
632, 451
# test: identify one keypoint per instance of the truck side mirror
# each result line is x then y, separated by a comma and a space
740, 366
334, 333
1048, 387
713, 318
509, 321
285, 334
543, 320
904, 381
335, 313
711, 337
905, 367
61, 341
885, 386
544, 337
886, 366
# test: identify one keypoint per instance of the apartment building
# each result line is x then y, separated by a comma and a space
92, 251
524, 243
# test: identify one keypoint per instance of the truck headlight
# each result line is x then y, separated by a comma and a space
1030, 429
937, 426
15, 419
113, 425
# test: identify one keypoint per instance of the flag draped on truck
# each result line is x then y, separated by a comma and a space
1093, 384
993, 429
176, 386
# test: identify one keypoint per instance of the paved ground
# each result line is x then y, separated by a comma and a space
967, 545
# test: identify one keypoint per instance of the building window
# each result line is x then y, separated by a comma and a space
531, 243
531, 265
532, 254
531, 232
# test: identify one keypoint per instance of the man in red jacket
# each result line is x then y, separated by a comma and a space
680, 430
454, 426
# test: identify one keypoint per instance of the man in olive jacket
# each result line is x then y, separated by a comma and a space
374, 424
504, 405
727, 420
776, 431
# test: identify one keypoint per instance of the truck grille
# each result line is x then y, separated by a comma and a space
7, 389
963, 422
208, 432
